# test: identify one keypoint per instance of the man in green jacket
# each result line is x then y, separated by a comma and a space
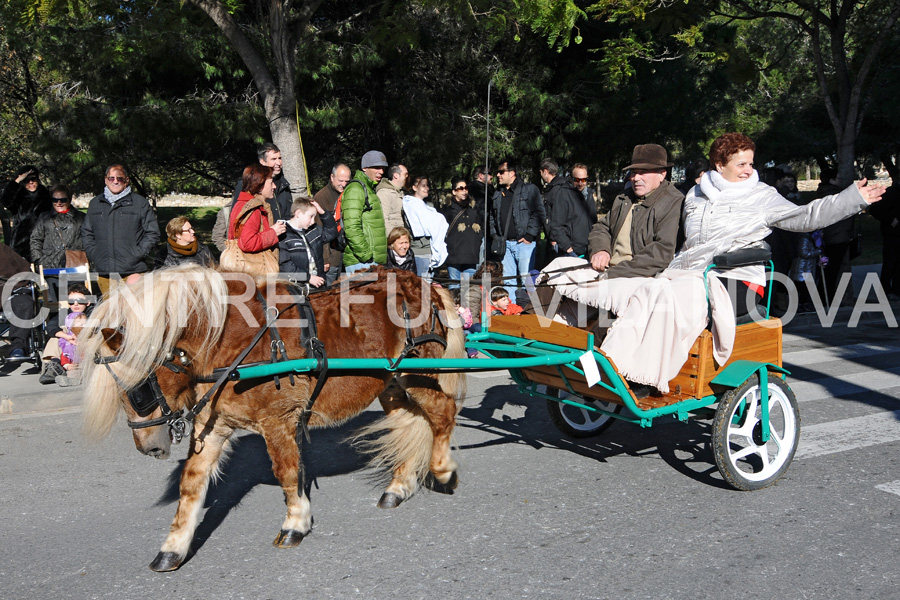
362, 216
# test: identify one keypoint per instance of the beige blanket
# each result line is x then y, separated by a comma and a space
658, 319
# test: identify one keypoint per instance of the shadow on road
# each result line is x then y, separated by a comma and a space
248, 465
685, 447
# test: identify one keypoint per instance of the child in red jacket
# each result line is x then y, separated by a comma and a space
501, 304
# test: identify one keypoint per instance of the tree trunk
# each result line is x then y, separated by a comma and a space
283, 126
846, 158
276, 90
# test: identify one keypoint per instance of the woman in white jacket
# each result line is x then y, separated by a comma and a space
659, 318
428, 226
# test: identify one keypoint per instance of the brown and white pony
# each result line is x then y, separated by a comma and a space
207, 318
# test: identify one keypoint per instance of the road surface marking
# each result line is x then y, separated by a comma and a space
891, 488
802, 358
849, 434
840, 385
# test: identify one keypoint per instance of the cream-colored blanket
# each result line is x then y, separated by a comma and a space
658, 318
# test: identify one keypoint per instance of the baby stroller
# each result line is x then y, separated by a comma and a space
26, 303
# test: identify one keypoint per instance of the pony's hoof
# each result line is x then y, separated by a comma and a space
434, 485
389, 500
166, 561
288, 538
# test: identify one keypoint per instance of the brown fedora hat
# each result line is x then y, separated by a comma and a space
649, 156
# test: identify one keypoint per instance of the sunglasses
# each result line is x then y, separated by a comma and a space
60, 201
117, 179
462, 187
82, 302
579, 179
501, 172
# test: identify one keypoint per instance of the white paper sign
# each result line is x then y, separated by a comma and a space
589, 364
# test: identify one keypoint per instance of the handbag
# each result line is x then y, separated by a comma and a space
498, 243
76, 258
257, 264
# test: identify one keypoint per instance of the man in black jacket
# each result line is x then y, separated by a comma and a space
119, 229
270, 156
568, 219
518, 216
482, 192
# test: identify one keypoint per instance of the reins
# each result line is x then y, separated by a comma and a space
180, 422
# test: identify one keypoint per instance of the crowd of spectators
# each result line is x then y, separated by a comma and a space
382, 214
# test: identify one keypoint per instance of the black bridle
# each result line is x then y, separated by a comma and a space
148, 395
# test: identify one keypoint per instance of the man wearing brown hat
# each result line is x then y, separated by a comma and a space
637, 237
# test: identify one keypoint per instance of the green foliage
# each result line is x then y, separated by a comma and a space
156, 85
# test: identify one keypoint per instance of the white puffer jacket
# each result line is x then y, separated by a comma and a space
720, 215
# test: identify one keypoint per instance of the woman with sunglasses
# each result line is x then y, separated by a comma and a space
27, 199
55, 232
465, 233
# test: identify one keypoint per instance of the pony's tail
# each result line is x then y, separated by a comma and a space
401, 437
453, 384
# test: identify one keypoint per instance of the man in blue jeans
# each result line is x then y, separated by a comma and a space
518, 216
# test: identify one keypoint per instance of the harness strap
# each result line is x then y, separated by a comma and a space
412, 342
279, 352
315, 348
179, 422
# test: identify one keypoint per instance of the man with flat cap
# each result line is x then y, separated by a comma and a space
362, 216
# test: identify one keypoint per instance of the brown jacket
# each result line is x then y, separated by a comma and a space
327, 199
654, 231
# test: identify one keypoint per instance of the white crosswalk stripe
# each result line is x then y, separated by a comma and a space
892, 488
849, 434
802, 358
841, 385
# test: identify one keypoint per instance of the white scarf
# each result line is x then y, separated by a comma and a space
713, 184
111, 198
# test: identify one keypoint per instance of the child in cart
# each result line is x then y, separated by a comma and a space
501, 304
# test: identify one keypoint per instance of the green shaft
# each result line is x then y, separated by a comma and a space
304, 365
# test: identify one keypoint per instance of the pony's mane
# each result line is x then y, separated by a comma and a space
152, 315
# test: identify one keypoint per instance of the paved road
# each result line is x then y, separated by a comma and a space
632, 514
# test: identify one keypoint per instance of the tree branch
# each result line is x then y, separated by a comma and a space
251, 56
339, 24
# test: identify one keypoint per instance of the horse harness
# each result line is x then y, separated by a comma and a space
147, 396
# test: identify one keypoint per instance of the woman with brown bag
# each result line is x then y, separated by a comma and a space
252, 245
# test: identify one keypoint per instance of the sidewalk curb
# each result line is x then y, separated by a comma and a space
41, 400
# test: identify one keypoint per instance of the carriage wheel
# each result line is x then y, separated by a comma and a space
741, 456
577, 422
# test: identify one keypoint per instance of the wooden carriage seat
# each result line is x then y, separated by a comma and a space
753, 341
